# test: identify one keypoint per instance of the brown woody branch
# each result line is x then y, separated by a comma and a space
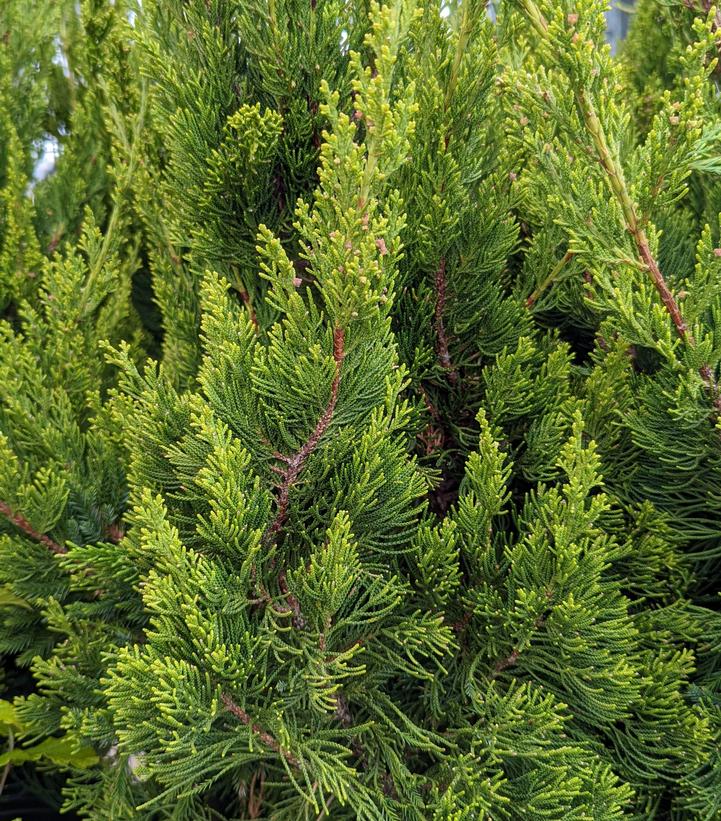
22, 524
634, 225
114, 532
255, 796
464, 33
245, 298
462, 623
615, 175
263, 736
509, 661
296, 463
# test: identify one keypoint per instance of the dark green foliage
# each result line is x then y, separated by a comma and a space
359, 410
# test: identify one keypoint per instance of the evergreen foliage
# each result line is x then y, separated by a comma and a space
359, 410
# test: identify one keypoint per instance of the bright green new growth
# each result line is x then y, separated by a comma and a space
359, 411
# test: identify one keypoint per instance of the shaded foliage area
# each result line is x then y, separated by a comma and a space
359, 410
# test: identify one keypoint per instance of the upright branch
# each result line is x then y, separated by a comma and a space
296, 463
616, 179
617, 182
444, 358
22, 524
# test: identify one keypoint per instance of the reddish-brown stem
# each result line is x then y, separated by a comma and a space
22, 524
264, 737
660, 284
245, 297
432, 436
441, 339
614, 174
444, 358
464, 33
509, 661
54, 241
255, 797
712, 385
296, 463
114, 532
432, 409
615, 177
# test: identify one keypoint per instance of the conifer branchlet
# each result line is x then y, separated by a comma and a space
359, 420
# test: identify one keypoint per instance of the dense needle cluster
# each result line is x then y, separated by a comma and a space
360, 416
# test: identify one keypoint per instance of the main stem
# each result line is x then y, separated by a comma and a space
118, 204
617, 182
444, 357
296, 462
